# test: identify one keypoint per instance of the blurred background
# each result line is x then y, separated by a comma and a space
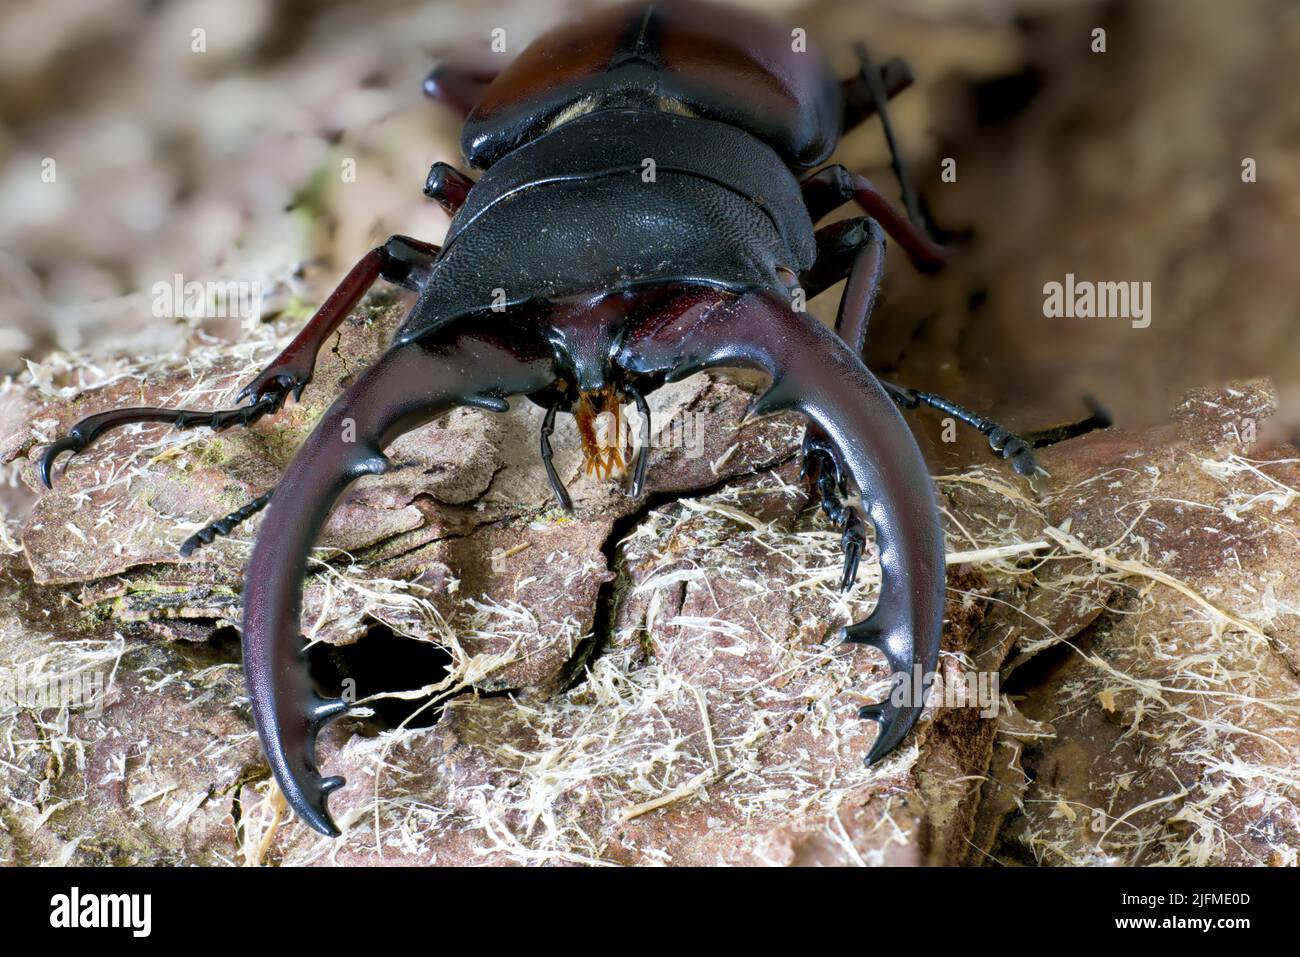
129, 155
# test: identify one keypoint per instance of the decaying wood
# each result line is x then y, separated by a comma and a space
655, 681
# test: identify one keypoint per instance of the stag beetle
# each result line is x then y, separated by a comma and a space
571, 278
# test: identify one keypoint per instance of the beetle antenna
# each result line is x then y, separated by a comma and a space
642, 461
557, 486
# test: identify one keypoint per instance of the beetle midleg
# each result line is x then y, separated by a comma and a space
1004, 442
856, 248
474, 363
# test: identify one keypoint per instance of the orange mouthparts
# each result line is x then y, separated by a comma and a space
600, 425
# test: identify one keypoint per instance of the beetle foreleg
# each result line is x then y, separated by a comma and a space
854, 248
401, 260
840, 245
410, 385
821, 463
448, 187
93, 426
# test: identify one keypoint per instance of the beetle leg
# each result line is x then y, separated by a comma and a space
411, 384
839, 246
93, 426
401, 260
816, 373
833, 186
1098, 418
821, 464
1002, 441
856, 248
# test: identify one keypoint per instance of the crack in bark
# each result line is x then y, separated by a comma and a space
610, 596
1031, 684
1097, 420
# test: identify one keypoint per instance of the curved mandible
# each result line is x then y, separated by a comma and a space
410, 385
814, 371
